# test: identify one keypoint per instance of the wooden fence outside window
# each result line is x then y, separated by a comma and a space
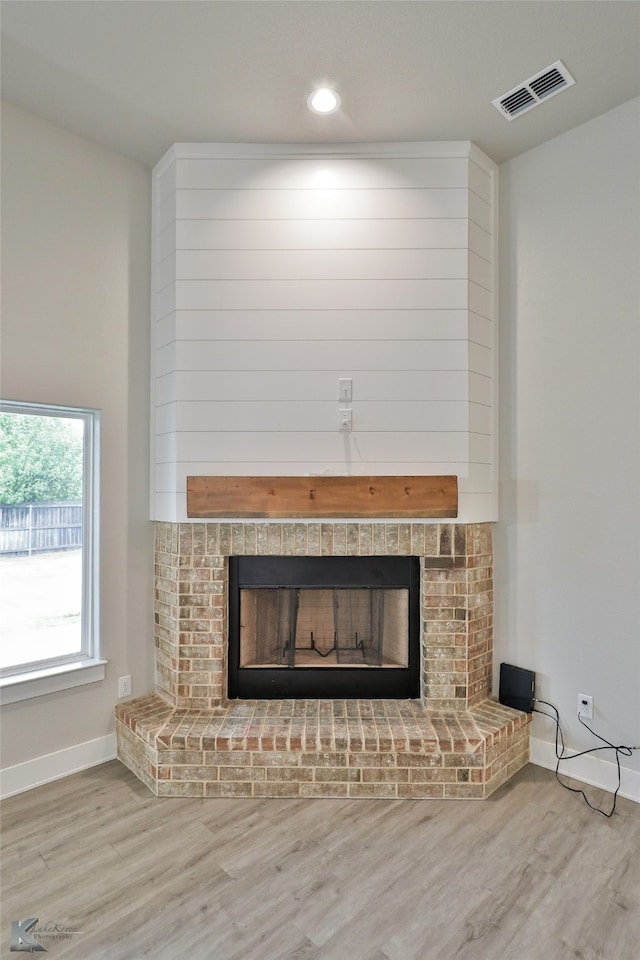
40, 527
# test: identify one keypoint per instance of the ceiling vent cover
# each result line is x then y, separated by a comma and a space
533, 91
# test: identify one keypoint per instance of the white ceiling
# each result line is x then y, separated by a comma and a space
139, 75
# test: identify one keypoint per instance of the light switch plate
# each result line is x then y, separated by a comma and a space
345, 389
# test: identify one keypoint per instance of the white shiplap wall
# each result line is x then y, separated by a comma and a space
279, 270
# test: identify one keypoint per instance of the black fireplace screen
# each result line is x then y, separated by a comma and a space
304, 627
323, 627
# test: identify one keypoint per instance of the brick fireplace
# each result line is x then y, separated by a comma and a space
188, 739
280, 304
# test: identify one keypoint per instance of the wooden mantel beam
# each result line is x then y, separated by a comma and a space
318, 497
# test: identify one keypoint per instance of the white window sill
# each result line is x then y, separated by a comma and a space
37, 683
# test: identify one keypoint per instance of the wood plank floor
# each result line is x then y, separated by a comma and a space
531, 874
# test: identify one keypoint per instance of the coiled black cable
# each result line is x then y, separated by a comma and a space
561, 754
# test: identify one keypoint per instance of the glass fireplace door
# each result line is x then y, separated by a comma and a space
304, 627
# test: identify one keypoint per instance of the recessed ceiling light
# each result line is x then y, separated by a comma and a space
324, 100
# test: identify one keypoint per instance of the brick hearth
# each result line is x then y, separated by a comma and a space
321, 748
187, 739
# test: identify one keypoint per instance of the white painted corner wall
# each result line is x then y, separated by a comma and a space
278, 270
567, 545
75, 308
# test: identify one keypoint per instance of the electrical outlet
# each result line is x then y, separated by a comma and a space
585, 706
124, 687
346, 422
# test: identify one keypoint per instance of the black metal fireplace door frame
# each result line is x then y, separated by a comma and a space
335, 682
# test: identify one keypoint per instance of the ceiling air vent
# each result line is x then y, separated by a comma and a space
533, 91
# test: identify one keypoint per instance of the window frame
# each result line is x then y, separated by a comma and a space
36, 678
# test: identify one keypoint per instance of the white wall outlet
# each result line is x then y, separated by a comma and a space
345, 389
345, 414
585, 706
124, 687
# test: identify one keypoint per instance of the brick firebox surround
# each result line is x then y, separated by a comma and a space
186, 739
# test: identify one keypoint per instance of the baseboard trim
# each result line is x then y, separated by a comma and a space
590, 769
54, 766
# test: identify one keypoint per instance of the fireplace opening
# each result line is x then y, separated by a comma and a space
324, 627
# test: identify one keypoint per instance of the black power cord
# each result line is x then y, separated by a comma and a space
561, 754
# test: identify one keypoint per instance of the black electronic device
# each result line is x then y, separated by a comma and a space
517, 687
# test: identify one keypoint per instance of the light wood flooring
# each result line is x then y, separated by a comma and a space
531, 874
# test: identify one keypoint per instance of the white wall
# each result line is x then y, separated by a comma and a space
568, 542
280, 269
75, 251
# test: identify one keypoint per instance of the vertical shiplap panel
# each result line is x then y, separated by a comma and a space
479, 490
480, 181
275, 276
162, 332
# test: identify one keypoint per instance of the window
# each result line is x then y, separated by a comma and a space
49, 627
